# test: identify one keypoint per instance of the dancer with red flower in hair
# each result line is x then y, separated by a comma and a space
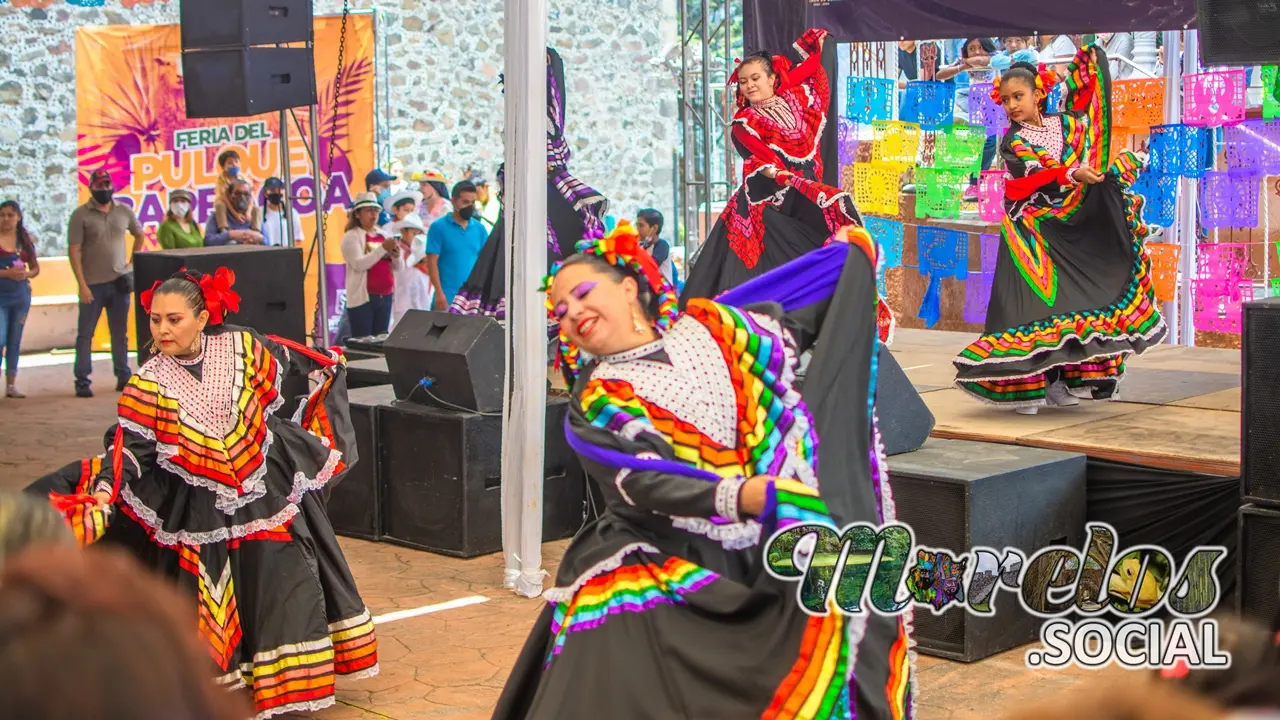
202, 482
790, 201
1072, 295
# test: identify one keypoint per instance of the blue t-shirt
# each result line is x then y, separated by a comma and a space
457, 248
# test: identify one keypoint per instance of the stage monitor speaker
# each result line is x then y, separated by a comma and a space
221, 23
462, 355
239, 82
956, 495
904, 419
442, 479
355, 505
268, 279
1239, 32
1260, 403
1258, 565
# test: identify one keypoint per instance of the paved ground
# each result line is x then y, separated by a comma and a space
450, 664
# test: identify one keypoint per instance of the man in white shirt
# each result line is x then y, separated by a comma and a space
274, 229
1060, 51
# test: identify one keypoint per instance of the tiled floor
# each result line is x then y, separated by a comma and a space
452, 664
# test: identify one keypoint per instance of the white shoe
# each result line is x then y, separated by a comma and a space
1028, 410
1057, 394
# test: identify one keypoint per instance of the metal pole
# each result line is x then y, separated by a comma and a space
707, 112
1187, 203
287, 177
1173, 115
319, 196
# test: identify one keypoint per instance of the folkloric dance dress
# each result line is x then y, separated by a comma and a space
215, 491
573, 211
662, 606
769, 222
1072, 294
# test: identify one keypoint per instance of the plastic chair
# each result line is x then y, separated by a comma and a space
977, 294
869, 99
1164, 269
1137, 103
1213, 99
939, 192
929, 103
959, 147
876, 187
895, 142
991, 196
1253, 145
985, 112
1229, 199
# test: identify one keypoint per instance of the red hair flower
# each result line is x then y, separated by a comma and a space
219, 298
995, 91
147, 295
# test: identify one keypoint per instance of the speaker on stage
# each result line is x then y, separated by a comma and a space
1239, 32
461, 356
1260, 403
355, 504
1258, 565
905, 421
268, 279
229, 67
956, 495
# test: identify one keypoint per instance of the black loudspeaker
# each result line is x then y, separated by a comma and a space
1258, 565
268, 280
1260, 403
460, 354
442, 473
371, 372
239, 82
355, 505
222, 23
956, 495
904, 420
1239, 32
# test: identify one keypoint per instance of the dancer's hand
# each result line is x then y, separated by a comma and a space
770, 172
103, 497
753, 495
1088, 175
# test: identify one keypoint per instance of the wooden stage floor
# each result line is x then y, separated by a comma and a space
1179, 407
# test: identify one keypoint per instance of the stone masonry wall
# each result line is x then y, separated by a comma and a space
445, 105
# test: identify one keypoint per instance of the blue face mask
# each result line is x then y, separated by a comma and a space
383, 194
233, 171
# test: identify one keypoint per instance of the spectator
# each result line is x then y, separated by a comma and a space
275, 230
18, 265
371, 264
918, 61
649, 226
435, 196
1015, 49
974, 67
1118, 45
1060, 50
27, 520
90, 635
228, 171
379, 183
453, 244
104, 273
244, 222
400, 205
179, 229
487, 207
413, 285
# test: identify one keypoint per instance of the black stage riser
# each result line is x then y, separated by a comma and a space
1258, 566
461, 354
1260, 403
268, 280
957, 495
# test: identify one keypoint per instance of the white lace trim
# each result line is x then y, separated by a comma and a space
738, 536
634, 353
888, 507
609, 564
727, 494
308, 706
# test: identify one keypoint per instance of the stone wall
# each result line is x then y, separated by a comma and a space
444, 110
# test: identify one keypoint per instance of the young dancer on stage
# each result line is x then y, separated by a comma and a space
789, 202
1072, 295
203, 483
691, 427
573, 209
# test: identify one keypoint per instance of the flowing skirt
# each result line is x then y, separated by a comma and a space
1104, 309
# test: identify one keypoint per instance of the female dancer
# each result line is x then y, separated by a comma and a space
700, 445
573, 209
208, 486
1072, 292
18, 264
789, 202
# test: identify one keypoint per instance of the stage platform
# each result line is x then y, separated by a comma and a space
1179, 407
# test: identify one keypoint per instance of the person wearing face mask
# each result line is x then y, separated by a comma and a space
453, 244
228, 171
104, 273
275, 228
379, 183
179, 229
244, 222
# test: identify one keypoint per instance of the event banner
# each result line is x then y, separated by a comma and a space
131, 121
773, 25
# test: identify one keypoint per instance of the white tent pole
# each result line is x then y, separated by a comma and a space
1188, 202
1173, 116
525, 77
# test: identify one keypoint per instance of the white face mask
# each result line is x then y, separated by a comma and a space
180, 209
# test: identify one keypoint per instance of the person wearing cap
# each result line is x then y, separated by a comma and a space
435, 196
371, 264
453, 244
244, 221
400, 205
275, 229
379, 182
104, 274
487, 207
179, 229
413, 283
